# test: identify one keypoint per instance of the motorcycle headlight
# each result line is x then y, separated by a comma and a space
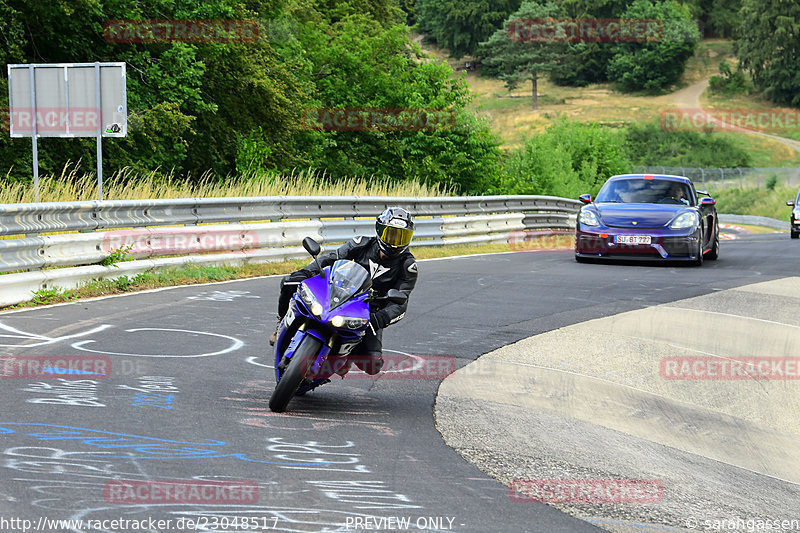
588, 218
310, 300
686, 220
348, 322
797, 213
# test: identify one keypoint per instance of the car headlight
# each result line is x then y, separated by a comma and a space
348, 322
589, 218
310, 300
686, 220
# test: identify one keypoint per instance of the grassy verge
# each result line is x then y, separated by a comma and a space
761, 202
757, 229
72, 185
194, 274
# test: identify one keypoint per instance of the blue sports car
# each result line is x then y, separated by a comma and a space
642, 216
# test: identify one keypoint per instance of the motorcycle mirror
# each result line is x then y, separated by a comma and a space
397, 297
311, 246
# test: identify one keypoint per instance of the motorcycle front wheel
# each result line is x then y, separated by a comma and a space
292, 378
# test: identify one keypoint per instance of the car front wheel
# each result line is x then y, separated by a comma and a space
713, 254
699, 260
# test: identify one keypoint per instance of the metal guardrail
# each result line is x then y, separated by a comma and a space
234, 231
755, 221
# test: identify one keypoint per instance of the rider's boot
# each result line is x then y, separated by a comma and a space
344, 368
370, 364
274, 335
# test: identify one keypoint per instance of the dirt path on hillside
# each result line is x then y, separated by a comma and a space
689, 98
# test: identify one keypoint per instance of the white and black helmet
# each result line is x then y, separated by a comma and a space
394, 228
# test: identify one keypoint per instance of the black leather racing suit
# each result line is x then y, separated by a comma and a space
390, 273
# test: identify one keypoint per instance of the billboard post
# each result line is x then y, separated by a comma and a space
31, 77
68, 100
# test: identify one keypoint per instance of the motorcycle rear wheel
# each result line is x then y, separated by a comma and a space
293, 377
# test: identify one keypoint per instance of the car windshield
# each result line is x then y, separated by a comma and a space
646, 191
348, 278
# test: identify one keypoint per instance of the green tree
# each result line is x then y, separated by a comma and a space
769, 48
356, 64
460, 25
587, 62
515, 58
657, 63
185, 101
723, 18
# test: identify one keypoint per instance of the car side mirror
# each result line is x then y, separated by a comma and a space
790, 203
707, 201
397, 297
311, 246
585, 198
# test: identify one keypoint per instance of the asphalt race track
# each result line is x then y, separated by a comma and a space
186, 400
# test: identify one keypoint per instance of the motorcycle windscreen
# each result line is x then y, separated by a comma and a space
348, 279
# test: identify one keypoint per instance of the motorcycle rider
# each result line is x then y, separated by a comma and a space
392, 266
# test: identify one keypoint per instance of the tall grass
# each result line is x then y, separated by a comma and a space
73, 185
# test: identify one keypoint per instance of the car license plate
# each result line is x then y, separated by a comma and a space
632, 239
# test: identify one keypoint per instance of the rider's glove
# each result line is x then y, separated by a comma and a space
378, 319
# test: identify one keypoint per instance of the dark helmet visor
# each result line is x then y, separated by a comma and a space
394, 236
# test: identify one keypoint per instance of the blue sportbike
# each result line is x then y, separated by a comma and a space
327, 319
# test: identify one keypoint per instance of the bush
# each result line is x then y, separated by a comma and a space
648, 144
729, 82
568, 160
771, 182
